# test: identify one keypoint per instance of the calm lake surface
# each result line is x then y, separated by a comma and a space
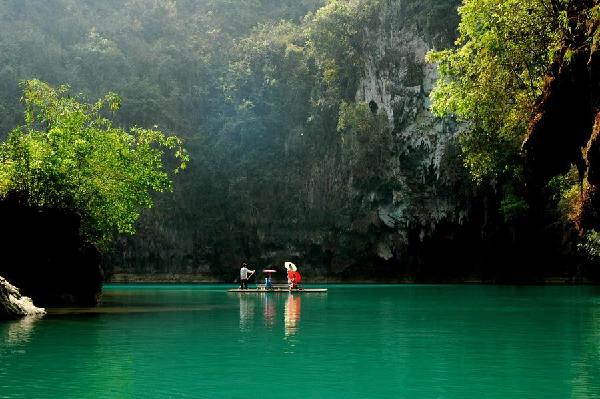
406, 341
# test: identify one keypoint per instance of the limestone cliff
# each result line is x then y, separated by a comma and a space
339, 211
424, 163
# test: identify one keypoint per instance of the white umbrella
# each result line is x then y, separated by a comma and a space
290, 266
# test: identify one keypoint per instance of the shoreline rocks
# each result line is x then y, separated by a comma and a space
14, 305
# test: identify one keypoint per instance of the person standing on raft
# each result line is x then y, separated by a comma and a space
294, 279
245, 274
293, 276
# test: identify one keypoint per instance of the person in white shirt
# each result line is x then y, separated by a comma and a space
245, 274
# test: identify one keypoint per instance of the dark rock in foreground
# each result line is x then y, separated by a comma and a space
14, 305
44, 255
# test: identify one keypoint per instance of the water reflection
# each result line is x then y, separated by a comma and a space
585, 365
247, 309
269, 310
18, 332
270, 306
462, 342
292, 314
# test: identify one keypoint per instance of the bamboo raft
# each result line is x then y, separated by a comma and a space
277, 288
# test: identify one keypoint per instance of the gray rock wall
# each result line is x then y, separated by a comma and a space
424, 165
339, 226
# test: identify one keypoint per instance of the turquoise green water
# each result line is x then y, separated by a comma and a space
352, 342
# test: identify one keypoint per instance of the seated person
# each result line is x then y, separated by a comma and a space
268, 282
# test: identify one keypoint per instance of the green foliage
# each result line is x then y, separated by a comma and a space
336, 36
256, 89
591, 244
566, 191
513, 207
268, 86
67, 155
493, 77
366, 142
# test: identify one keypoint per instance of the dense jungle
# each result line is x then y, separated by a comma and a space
366, 140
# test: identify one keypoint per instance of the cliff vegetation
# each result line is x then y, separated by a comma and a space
388, 140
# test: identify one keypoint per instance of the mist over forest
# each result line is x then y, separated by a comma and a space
310, 135
195, 194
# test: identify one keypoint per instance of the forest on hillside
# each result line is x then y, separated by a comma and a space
318, 131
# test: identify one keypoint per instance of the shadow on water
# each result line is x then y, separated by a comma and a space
131, 309
145, 300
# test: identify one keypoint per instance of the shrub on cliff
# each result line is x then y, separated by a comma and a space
68, 155
493, 77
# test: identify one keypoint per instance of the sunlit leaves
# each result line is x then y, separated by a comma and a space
335, 36
591, 244
69, 156
493, 77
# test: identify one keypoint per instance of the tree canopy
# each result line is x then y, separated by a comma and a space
493, 77
307, 121
69, 155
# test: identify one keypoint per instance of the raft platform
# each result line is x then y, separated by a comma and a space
277, 289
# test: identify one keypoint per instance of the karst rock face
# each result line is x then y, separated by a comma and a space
566, 124
14, 305
423, 164
413, 213
421, 183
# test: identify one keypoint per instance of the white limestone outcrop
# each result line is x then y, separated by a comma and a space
14, 305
